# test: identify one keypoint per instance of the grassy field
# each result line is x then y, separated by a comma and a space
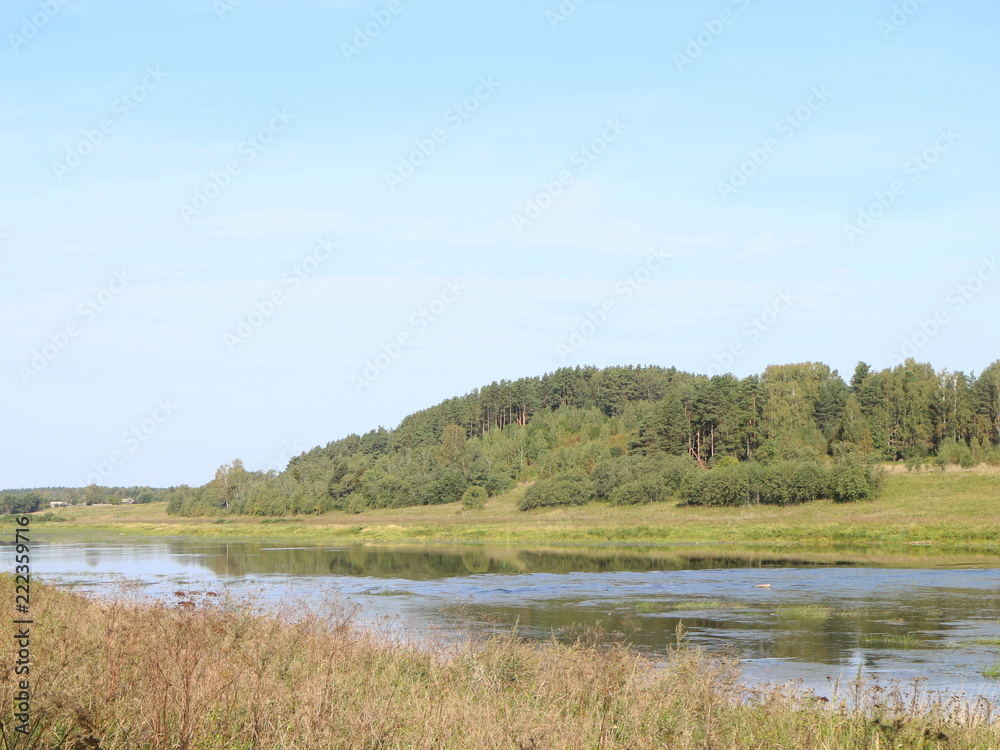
919, 513
205, 673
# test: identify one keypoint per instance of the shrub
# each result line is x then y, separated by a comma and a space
615, 473
780, 483
726, 485
851, 481
497, 484
448, 486
648, 489
560, 490
475, 497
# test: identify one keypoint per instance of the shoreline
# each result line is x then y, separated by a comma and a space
920, 515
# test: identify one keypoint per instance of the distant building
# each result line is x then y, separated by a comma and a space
57, 504
127, 501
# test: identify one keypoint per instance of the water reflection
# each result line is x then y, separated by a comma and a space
816, 621
428, 561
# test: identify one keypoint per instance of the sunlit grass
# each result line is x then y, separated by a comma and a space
804, 612
866, 613
947, 513
892, 640
983, 641
992, 672
697, 604
390, 592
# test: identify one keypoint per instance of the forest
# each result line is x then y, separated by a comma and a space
638, 434
622, 435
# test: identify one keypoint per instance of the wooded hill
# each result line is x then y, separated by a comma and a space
638, 434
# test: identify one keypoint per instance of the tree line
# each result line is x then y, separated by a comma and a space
31, 500
638, 434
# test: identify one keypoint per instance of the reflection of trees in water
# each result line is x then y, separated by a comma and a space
425, 562
241, 558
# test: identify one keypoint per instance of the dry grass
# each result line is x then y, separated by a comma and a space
212, 674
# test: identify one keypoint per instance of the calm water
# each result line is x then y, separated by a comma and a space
891, 623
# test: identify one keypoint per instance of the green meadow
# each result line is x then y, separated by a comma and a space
919, 514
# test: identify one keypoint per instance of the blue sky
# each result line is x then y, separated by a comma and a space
241, 229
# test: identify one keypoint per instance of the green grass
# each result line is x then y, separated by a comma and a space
867, 613
983, 641
892, 640
992, 672
804, 612
920, 515
698, 604
390, 592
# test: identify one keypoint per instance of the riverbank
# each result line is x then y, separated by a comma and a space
202, 673
937, 510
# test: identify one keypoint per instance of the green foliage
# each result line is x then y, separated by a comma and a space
561, 490
20, 503
768, 439
497, 484
475, 497
647, 489
447, 487
852, 481
781, 483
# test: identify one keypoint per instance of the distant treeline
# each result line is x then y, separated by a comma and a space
28, 501
638, 434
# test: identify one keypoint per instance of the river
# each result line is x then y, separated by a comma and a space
787, 618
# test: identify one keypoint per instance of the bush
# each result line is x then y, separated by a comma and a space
726, 485
615, 473
810, 482
560, 490
648, 489
475, 497
497, 484
780, 483
850, 482
448, 486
